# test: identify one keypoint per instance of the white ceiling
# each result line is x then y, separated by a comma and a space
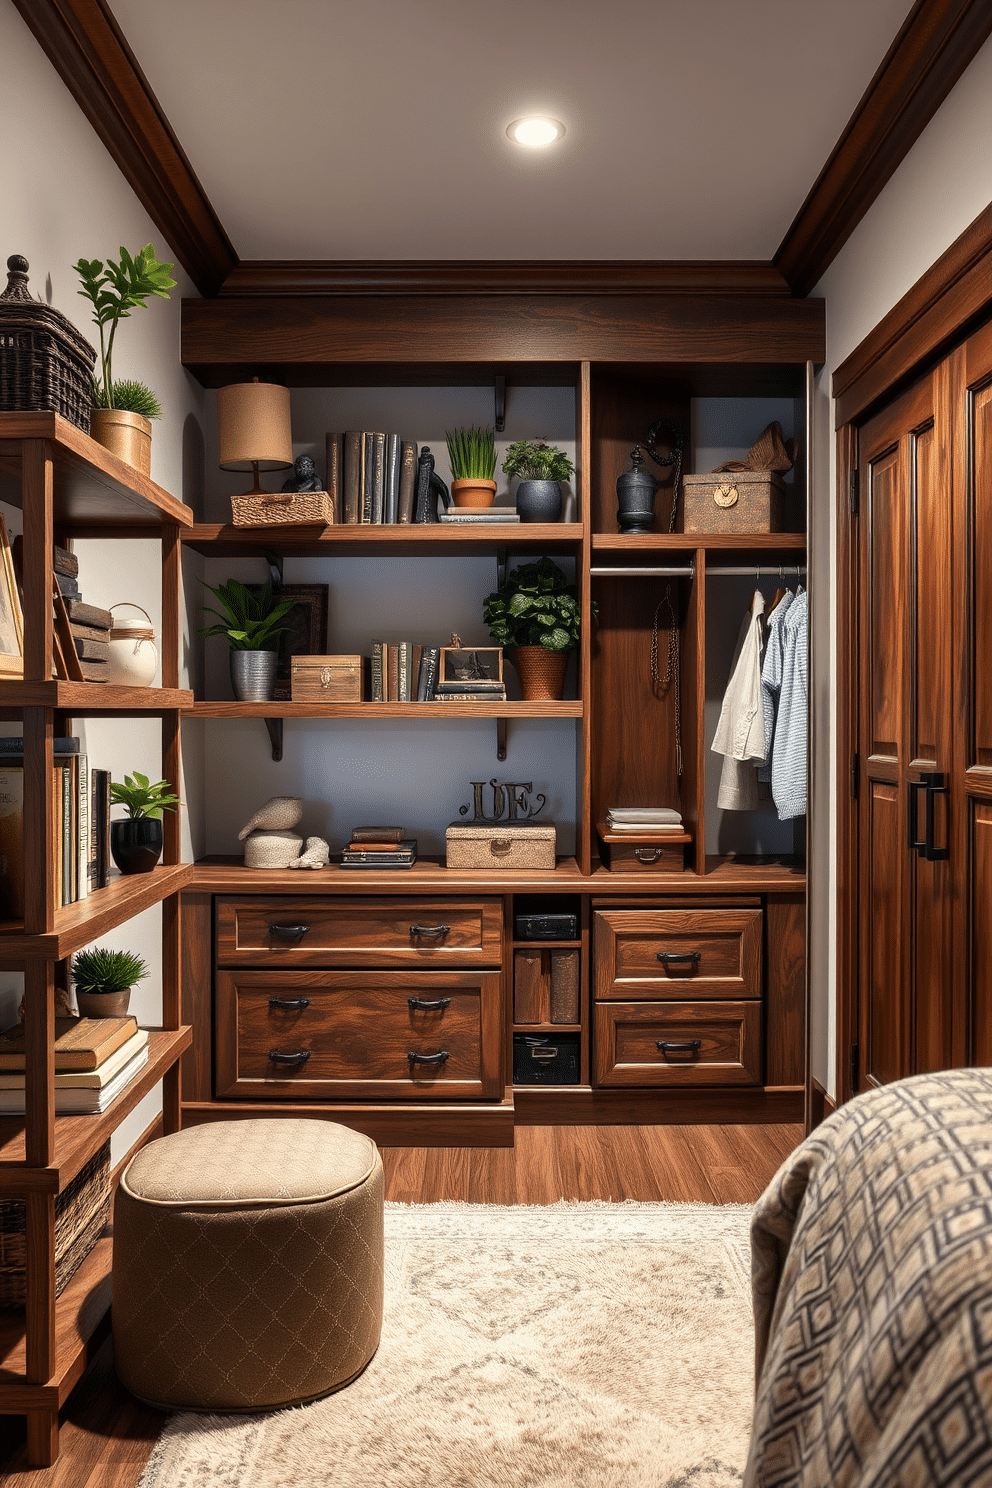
375, 129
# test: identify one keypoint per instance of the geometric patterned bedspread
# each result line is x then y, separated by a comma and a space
872, 1285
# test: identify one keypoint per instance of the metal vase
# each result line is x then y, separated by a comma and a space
253, 675
539, 500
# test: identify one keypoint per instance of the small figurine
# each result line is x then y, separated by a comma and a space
316, 854
304, 477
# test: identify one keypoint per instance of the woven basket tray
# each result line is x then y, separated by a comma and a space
282, 509
81, 1211
44, 361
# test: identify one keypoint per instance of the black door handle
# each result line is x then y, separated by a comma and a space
437, 1006
291, 1004
669, 1046
432, 932
416, 1058
915, 844
288, 932
289, 1056
670, 958
936, 786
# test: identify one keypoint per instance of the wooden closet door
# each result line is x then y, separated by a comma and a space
905, 734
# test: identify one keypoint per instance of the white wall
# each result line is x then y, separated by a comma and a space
63, 199
941, 186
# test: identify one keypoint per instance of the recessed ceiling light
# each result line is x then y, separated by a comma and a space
535, 132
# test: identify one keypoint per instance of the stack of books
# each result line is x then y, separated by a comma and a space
491, 515
81, 810
379, 847
376, 473
94, 1059
89, 626
656, 820
404, 672
463, 691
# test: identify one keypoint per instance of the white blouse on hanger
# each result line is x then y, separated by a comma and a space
740, 732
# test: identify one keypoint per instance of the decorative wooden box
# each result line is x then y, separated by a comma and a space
636, 852
327, 679
733, 501
492, 845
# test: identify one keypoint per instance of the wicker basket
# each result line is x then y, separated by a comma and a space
81, 1211
501, 845
44, 361
282, 509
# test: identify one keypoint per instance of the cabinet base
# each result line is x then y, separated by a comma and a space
467, 1124
760, 1106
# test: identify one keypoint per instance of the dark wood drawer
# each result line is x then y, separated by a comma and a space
677, 953
357, 1031
341, 931
720, 1043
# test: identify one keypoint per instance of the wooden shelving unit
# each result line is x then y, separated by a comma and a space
68, 486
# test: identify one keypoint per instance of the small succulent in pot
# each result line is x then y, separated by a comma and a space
542, 468
536, 613
251, 620
103, 981
472, 454
136, 842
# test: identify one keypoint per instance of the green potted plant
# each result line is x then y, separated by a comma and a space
250, 619
104, 980
541, 468
122, 410
136, 841
472, 453
535, 613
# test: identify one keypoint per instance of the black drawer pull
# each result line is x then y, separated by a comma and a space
668, 1046
434, 932
288, 932
293, 1056
670, 958
437, 1006
648, 854
416, 1058
291, 1004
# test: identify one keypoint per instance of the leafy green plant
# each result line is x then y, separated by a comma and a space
535, 606
472, 453
249, 620
534, 460
114, 289
129, 397
142, 797
101, 970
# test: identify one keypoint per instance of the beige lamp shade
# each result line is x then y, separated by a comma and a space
254, 429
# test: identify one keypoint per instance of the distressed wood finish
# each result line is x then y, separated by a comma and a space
728, 1051
387, 931
359, 1029
627, 944
785, 990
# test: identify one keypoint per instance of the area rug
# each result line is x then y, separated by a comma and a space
587, 1345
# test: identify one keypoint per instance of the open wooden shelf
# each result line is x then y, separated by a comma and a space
545, 945
224, 540
101, 911
80, 1313
90, 484
367, 710
227, 875
77, 1138
547, 1028
91, 699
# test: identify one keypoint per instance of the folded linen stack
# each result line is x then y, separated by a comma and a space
644, 820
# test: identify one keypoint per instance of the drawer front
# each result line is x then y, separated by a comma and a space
352, 1034
341, 931
683, 954
678, 1043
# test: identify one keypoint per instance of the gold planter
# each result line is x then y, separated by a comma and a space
126, 435
541, 673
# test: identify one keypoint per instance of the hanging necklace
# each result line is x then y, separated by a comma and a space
671, 677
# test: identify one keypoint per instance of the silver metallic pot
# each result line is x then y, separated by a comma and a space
253, 675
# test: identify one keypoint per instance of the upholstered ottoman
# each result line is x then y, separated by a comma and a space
247, 1264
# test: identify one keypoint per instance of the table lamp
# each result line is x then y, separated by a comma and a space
254, 430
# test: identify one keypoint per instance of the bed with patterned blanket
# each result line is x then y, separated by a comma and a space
872, 1283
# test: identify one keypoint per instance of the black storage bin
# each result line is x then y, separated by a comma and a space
546, 927
545, 1059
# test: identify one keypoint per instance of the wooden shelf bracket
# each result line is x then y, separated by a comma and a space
499, 392
501, 739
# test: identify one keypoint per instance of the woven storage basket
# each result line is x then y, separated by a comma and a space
505, 845
81, 1211
44, 361
283, 509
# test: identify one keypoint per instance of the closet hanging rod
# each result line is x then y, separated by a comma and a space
688, 571
683, 571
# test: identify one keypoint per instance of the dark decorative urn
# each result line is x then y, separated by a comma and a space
636, 490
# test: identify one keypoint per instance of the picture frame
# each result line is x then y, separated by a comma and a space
306, 633
471, 664
11, 615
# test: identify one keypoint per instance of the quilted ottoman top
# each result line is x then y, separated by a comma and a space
243, 1164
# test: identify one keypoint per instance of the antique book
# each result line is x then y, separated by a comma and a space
408, 481
352, 477
81, 785
491, 517
68, 586
403, 671
12, 839
368, 443
100, 817
95, 671
391, 500
392, 669
404, 855
91, 650
80, 1043
88, 614
74, 1102
14, 744
427, 676
65, 562
496, 695
377, 834
95, 1078
87, 632
334, 446
378, 477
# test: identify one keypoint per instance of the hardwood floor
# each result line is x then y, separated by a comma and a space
107, 1436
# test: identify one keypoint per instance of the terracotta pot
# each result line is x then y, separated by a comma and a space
541, 672
126, 435
103, 1004
473, 492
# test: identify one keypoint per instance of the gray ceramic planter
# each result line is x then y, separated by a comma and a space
253, 675
539, 500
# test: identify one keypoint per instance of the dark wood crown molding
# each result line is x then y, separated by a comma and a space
934, 47
295, 277
89, 52
953, 295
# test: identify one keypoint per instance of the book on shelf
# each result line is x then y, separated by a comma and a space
408, 481
377, 834
368, 500
12, 839
99, 828
378, 685
87, 614
83, 1100
378, 477
352, 477
14, 744
88, 1079
391, 497
334, 448
65, 562
430, 660
495, 695
404, 671
482, 686
492, 516
401, 855
80, 1043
